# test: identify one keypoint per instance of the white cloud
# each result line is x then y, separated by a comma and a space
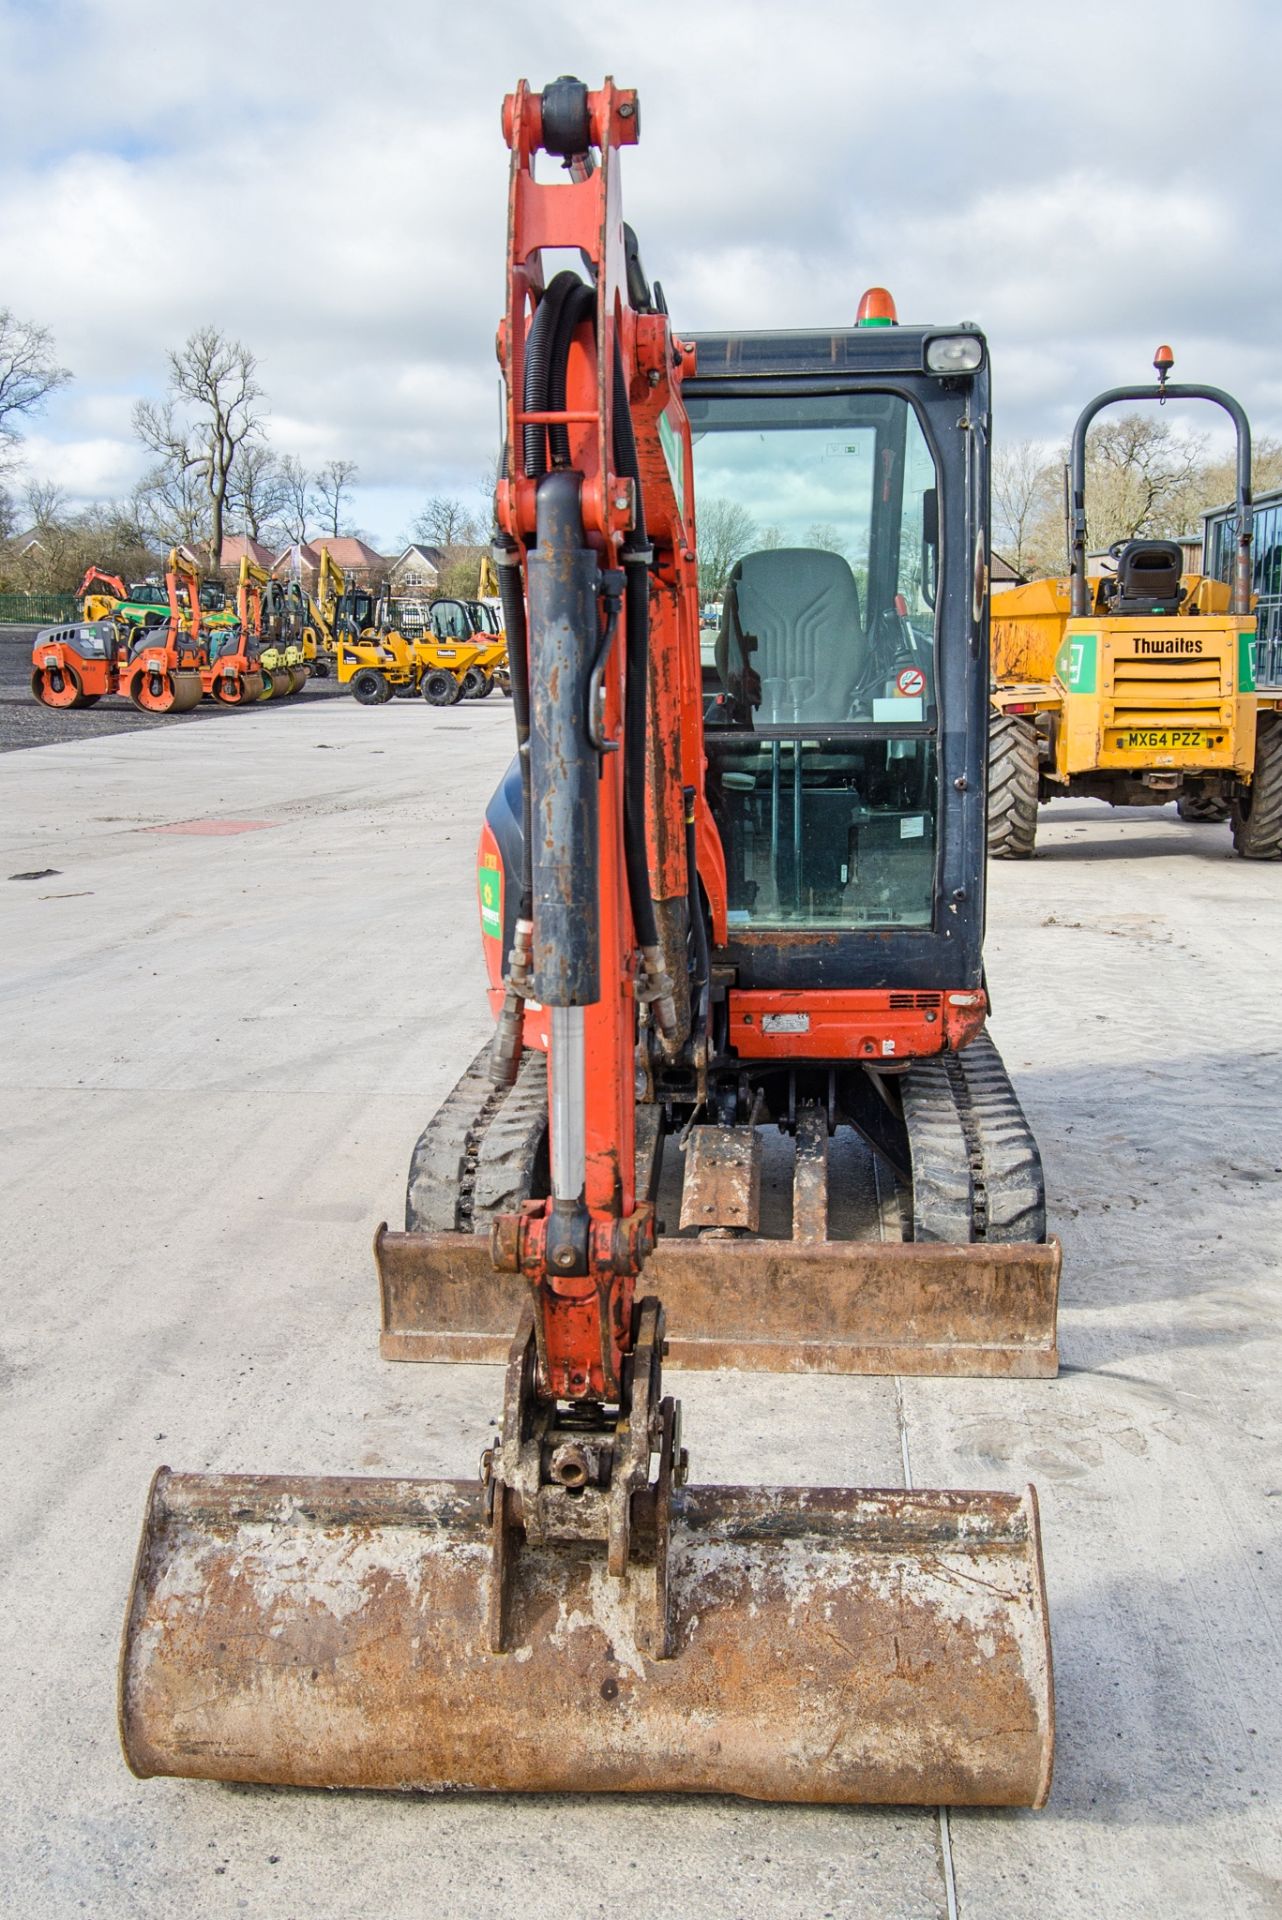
331, 188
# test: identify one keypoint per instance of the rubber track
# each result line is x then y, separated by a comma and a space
1258, 836
1012, 788
476, 1155
977, 1173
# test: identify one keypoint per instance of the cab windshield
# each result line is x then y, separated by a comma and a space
818, 538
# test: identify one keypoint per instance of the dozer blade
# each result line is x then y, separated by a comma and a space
777, 1306
828, 1646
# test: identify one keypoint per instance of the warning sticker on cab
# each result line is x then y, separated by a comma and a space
489, 886
910, 681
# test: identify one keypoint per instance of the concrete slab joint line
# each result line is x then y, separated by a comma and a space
213, 827
941, 1813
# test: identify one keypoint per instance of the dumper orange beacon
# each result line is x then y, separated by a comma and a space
732, 893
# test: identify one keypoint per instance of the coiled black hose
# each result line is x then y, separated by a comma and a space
566, 304
636, 560
538, 356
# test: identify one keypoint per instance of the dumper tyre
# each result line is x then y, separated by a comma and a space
1202, 809
1257, 813
440, 689
1012, 788
370, 687
476, 684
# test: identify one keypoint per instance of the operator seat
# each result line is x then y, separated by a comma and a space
1148, 577
791, 647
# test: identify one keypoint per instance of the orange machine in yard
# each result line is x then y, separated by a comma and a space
157, 668
233, 677
701, 930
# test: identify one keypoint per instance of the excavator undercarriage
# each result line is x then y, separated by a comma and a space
805, 1250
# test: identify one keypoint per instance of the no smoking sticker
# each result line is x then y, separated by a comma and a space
910, 681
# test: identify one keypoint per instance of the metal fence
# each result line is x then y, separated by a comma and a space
37, 609
1266, 555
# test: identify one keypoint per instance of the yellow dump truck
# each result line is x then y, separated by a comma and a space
1137, 687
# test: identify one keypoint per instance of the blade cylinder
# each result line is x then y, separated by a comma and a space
830, 1646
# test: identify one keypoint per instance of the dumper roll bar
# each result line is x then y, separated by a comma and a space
1079, 604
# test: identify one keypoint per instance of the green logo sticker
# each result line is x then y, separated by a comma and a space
1246, 663
1075, 663
489, 885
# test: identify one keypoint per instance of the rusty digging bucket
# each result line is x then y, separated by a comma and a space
827, 1646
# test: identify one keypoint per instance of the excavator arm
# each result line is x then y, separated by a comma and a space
594, 532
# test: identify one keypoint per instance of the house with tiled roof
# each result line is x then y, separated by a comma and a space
240, 546
361, 565
416, 572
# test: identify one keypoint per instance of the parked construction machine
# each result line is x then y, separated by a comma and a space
156, 664
1137, 687
458, 624
768, 920
277, 653
136, 610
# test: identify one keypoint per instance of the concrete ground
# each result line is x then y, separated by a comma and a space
219, 1048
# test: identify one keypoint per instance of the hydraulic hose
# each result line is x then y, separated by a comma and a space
579, 305
636, 560
567, 303
538, 359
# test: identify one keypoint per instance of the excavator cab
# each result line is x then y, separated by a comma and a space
843, 805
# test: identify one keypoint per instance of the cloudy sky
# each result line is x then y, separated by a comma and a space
328, 182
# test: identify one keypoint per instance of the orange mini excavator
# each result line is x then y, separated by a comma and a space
733, 884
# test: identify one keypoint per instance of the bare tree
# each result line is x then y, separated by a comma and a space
258, 495
725, 530
1139, 475
8, 515
827, 538
459, 534
1025, 482
295, 511
447, 522
212, 410
46, 504
333, 484
172, 505
28, 375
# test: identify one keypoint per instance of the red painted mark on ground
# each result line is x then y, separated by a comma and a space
214, 826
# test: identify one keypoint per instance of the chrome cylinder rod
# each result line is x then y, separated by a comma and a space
567, 1073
